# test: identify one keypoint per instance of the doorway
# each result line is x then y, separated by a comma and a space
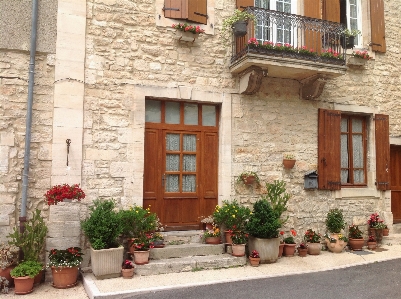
181, 158
395, 182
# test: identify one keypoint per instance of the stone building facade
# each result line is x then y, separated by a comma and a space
100, 61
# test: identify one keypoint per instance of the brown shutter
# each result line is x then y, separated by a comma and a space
329, 157
241, 4
313, 40
382, 136
331, 10
377, 25
209, 172
175, 9
197, 11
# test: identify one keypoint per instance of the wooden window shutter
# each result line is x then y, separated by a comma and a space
209, 164
329, 143
331, 10
175, 9
382, 136
313, 40
377, 24
197, 11
241, 4
312, 9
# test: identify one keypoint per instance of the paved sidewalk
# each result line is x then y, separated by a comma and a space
122, 288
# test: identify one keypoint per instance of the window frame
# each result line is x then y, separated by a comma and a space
350, 150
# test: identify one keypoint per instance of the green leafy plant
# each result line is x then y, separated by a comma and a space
231, 215
354, 232
335, 221
70, 257
137, 221
32, 240
238, 237
290, 239
264, 222
103, 226
289, 156
311, 236
143, 242
277, 197
342, 237
353, 32
214, 232
27, 268
229, 22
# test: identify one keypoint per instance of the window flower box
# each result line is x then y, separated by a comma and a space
186, 36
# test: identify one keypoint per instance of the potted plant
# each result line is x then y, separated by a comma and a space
359, 57
208, 222
386, 231
158, 240
289, 244
64, 193
32, 240
335, 223
103, 227
187, 32
289, 161
142, 245
281, 246
8, 261
64, 264
237, 23
212, 236
248, 178
313, 241
376, 226
254, 258
24, 274
137, 221
302, 249
277, 197
349, 37
127, 269
231, 216
355, 236
372, 242
239, 240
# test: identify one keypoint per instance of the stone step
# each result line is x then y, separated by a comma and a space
185, 250
396, 229
187, 264
182, 237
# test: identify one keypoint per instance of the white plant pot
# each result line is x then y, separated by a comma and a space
106, 263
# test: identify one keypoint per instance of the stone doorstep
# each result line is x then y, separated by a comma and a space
185, 250
187, 264
185, 237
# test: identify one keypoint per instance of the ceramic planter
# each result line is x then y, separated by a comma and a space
141, 257
314, 248
212, 240
106, 263
23, 285
289, 163
267, 248
127, 273
186, 36
240, 28
254, 261
356, 244
289, 249
238, 249
64, 277
302, 252
336, 247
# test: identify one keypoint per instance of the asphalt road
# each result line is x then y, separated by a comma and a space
377, 280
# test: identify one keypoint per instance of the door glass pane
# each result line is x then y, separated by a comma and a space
356, 125
189, 183
344, 176
189, 163
189, 143
208, 115
190, 114
173, 142
172, 162
172, 113
172, 183
357, 147
344, 125
153, 111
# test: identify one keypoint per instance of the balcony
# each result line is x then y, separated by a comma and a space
288, 46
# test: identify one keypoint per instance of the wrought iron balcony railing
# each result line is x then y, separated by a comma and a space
293, 36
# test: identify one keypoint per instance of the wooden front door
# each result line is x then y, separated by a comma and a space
395, 185
180, 171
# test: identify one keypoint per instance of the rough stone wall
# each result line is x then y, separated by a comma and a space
13, 100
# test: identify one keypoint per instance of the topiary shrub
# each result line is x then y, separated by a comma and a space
335, 221
264, 222
103, 226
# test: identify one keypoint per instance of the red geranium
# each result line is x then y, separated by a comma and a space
60, 192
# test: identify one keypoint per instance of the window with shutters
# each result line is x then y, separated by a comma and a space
189, 10
343, 143
350, 16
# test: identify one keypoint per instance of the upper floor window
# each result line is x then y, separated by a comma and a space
189, 10
350, 16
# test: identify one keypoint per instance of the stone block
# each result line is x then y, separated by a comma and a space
64, 212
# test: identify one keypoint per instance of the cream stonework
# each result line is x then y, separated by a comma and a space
110, 56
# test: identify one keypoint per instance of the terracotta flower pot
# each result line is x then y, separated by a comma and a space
64, 277
212, 240
6, 273
314, 248
288, 163
141, 257
289, 249
254, 261
385, 232
372, 245
228, 237
23, 285
127, 273
302, 252
238, 250
280, 250
356, 244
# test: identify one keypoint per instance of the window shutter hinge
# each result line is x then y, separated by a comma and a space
201, 14
170, 8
